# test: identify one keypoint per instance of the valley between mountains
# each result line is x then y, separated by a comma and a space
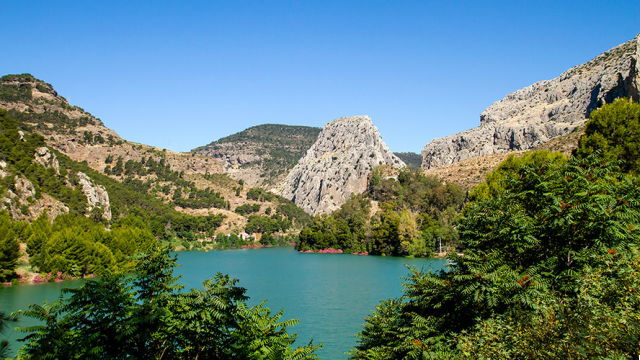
338, 186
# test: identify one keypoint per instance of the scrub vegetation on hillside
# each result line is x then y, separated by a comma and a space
550, 266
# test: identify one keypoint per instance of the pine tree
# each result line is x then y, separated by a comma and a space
9, 249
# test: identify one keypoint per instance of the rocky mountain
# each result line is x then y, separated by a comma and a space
96, 173
337, 165
262, 155
470, 172
544, 110
80, 135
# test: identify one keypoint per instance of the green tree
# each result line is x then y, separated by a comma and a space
614, 129
147, 316
9, 248
537, 275
494, 183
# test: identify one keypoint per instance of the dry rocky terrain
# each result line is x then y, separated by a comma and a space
545, 110
337, 165
471, 172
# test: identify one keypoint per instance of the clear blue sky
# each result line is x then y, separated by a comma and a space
192, 72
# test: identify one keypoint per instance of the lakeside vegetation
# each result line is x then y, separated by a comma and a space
550, 266
415, 210
149, 316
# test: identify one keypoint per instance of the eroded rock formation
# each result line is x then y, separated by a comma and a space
337, 165
544, 110
97, 195
46, 158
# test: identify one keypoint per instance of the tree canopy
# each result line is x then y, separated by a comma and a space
550, 267
614, 129
148, 316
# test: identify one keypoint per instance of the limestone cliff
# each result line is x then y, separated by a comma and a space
97, 195
22, 201
544, 110
337, 165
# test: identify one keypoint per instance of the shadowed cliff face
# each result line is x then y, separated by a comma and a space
337, 165
547, 109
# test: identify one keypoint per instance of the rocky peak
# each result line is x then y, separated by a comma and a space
547, 109
97, 195
337, 165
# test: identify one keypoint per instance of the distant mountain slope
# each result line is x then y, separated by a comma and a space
547, 109
470, 172
77, 133
262, 155
150, 178
410, 158
337, 165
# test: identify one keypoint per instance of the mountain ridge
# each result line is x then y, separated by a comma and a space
261, 155
544, 110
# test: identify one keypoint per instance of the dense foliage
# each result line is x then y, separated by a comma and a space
495, 180
614, 129
4, 324
147, 316
411, 159
550, 267
286, 208
267, 225
415, 210
9, 247
274, 134
77, 246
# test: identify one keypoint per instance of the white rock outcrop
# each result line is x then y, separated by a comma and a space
544, 110
3, 168
24, 187
97, 195
46, 158
337, 165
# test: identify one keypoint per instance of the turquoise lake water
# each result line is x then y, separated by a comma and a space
329, 293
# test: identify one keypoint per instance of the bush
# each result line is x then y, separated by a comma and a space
546, 261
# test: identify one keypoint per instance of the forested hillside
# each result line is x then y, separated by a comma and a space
190, 183
262, 155
92, 215
550, 266
402, 213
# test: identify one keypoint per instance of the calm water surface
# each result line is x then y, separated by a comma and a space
329, 293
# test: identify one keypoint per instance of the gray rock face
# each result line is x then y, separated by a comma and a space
3, 167
97, 195
24, 187
544, 110
337, 165
46, 158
